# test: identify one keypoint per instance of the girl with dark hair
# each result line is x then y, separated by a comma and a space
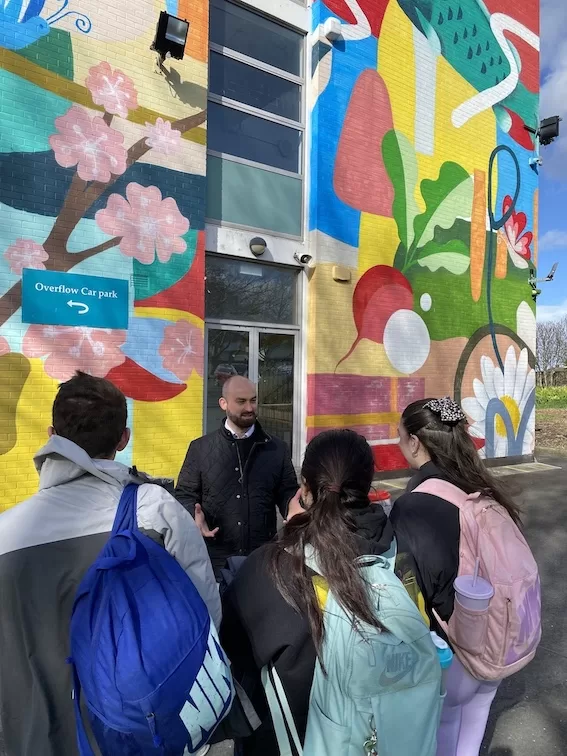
273, 609
434, 440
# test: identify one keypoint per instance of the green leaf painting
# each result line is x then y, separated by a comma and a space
453, 256
401, 164
446, 199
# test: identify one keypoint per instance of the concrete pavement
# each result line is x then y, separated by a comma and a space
529, 715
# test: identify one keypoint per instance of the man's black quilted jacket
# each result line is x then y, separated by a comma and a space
242, 507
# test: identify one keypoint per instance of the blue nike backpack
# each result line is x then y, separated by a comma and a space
144, 650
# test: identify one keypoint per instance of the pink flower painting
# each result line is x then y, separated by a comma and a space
162, 138
517, 242
112, 89
147, 224
25, 253
94, 351
182, 349
90, 144
4, 346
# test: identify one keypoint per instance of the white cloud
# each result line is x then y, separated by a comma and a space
546, 313
553, 239
554, 65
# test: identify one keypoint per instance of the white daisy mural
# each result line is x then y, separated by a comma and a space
502, 410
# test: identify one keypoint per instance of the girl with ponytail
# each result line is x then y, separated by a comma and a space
273, 609
435, 441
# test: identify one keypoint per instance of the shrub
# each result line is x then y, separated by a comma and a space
554, 397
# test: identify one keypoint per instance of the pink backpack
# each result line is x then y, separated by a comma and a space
494, 643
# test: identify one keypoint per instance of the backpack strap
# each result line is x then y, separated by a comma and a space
126, 515
445, 490
125, 519
282, 718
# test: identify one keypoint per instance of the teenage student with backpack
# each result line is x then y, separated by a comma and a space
322, 635
463, 532
56, 603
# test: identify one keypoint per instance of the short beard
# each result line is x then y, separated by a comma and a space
239, 422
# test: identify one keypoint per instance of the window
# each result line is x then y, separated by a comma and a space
251, 291
255, 119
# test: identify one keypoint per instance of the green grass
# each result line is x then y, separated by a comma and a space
554, 397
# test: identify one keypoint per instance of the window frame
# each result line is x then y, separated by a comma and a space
299, 126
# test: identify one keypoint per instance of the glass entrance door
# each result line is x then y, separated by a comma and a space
266, 356
276, 361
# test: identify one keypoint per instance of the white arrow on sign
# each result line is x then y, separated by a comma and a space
79, 304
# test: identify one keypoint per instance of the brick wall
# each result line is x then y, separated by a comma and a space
406, 144
102, 162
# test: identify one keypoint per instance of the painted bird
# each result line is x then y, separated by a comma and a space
21, 26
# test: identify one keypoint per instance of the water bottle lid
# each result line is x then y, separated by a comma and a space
444, 652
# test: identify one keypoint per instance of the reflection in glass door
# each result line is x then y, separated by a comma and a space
267, 357
228, 354
275, 383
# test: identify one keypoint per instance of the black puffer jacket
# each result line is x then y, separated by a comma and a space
241, 504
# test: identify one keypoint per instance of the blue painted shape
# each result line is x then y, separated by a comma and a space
326, 211
15, 35
67, 299
29, 134
507, 179
36, 183
145, 336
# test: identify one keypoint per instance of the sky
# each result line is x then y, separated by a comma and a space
552, 302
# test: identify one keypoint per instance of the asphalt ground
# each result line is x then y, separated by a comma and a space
529, 714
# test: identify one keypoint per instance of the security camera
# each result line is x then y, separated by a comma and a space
302, 259
535, 161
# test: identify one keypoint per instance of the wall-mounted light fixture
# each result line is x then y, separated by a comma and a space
171, 37
546, 133
258, 246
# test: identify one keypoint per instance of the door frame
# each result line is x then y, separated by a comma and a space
254, 330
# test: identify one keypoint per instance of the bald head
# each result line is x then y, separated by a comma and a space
238, 384
239, 401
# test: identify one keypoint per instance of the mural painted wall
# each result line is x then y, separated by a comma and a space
102, 166
421, 186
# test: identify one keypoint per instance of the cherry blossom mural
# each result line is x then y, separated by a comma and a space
109, 181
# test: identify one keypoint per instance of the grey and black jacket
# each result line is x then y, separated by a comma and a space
47, 543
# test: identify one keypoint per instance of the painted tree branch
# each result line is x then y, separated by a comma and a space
11, 300
81, 195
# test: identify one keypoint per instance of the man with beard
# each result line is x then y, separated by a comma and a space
233, 479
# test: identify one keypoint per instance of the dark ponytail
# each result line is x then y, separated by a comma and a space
453, 452
338, 469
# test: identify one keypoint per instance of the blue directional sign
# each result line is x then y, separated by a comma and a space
52, 298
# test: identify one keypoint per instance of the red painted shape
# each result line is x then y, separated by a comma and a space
360, 179
527, 13
374, 11
518, 133
188, 294
380, 292
137, 383
479, 443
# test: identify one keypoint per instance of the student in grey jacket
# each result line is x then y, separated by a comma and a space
48, 542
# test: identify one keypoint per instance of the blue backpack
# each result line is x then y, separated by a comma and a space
380, 692
144, 650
